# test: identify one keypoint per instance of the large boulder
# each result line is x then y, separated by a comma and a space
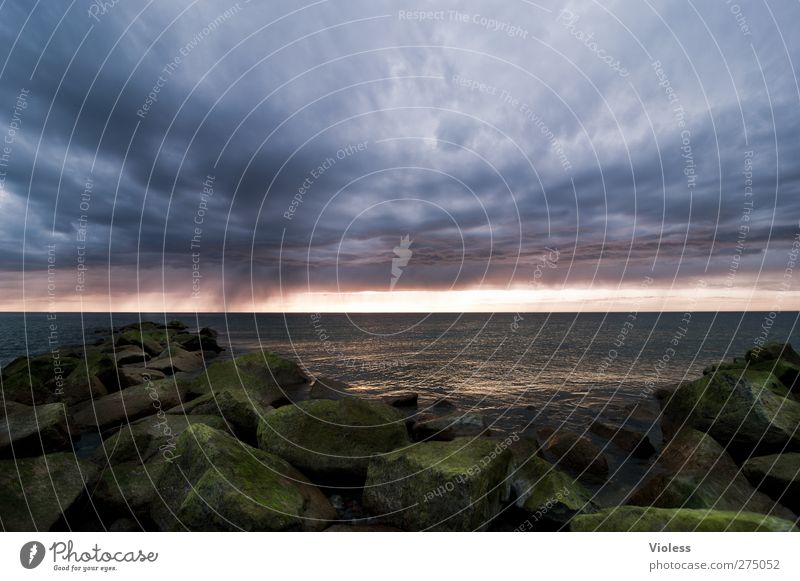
544, 491
217, 483
446, 486
175, 360
35, 491
402, 399
773, 351
694, 471
677, 520
263, 375
574, 452
332, 440
94, 377
233, 408
37, 379
129, 489
31, 431
203, 340
130, 356
137, 375
743, 410
635, 429
778, 476
149, 438
129, 404
152, 339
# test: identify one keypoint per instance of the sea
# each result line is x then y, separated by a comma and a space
519, 370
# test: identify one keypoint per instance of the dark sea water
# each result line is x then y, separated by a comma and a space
554, 369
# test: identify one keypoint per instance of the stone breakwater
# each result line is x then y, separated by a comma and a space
151, 428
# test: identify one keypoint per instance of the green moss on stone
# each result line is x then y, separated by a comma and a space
641, 519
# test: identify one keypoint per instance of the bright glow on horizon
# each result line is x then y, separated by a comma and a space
573, 299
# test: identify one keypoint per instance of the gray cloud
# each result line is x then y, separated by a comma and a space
487, 135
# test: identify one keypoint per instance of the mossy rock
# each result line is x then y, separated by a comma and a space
176, 325
574, 452
333, 440
34, 491
94, 377
545, 492
129, 489
777, 475
146, 326
677, 520
772, 351
217, 483
151, 342
741, 410
197, 342
261, 374
132, 403
694, 471
233, 409
445, 486
38, 379
32, 431
154, 436
787, 372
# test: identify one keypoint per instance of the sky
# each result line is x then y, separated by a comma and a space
348, 155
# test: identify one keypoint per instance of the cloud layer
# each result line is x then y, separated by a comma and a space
222, 155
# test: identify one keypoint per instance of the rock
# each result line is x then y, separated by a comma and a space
232, 408
446, 486
204, 340
677, 520
176, 325
443, 404
741, 410
546, 492
129, 404
129, 488
32, 431
402, 399
146, 326
137, 375
629, 438
449, 427
148, 438
175, 360
574, 452
332, 440
263, 375
37, 380
130, 356
217, 483
786, 371
694, 471
326, 388
94, 377
772, 351
778, 476
151, 341
34, 491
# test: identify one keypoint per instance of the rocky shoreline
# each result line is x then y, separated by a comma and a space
150, 429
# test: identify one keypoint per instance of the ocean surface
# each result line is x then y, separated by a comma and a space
560, 369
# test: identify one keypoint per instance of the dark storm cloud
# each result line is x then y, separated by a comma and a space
331, 131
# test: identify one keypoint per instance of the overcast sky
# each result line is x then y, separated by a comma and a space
560, 153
